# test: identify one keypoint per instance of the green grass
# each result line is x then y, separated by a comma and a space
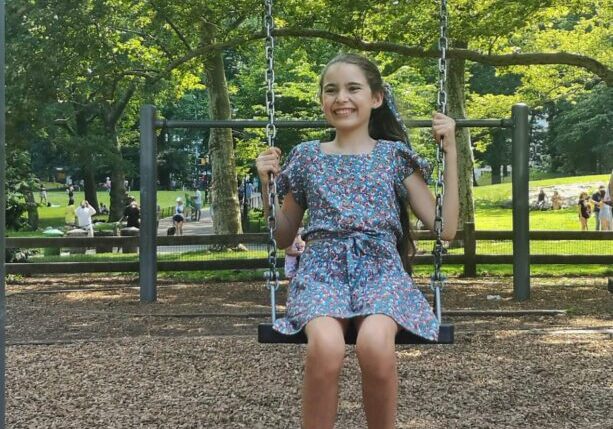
552, 270
54, 216
494, 195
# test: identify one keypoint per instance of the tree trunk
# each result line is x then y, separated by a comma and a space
89, 185
32, 208
496, 178
118, 190
86, 158
456, 97
225, 204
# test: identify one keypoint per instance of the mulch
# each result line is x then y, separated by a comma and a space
86, 354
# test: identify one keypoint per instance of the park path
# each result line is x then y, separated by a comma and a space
191, 227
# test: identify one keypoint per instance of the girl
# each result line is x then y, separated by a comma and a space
584, 210
179, 217
356, 188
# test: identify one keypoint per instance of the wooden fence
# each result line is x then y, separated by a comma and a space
470, 258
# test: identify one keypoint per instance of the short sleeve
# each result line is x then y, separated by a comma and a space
293, 178
408, 161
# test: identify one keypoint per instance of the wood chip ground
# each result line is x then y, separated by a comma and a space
83, 353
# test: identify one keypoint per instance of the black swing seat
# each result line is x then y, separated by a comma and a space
267, 335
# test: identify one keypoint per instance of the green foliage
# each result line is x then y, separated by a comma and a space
580, 133
19, 182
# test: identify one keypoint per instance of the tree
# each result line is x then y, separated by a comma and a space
580, 133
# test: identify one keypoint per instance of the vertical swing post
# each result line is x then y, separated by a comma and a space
521, 229
2, 217
148, 196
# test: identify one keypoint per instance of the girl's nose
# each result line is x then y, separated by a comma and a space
342, 95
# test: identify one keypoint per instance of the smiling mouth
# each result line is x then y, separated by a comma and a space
343, 112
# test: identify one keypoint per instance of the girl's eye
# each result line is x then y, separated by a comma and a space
354, 88
330, 91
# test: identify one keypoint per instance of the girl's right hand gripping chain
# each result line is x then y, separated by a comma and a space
268, 162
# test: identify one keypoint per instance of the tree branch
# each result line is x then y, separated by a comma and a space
174, 28
538, 58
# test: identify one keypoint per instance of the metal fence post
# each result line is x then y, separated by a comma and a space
148, 199
2, 217
470, 250
521, 227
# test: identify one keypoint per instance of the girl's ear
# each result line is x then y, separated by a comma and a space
377, 99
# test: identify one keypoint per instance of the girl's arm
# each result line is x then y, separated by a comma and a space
288, 216
421, 199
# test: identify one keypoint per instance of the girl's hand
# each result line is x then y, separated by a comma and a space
444, 127
268, 162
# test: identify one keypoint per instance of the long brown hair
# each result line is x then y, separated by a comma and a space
383, 124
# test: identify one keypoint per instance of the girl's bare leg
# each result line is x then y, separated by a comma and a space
324, 361
376, 350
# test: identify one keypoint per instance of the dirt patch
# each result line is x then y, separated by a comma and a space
192, 361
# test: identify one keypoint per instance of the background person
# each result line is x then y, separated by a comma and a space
606, 208
542, 200
556, 201
84, 215
43, 196
584, 210
597, 198
131, 213
178, 219
197, 205
292, 256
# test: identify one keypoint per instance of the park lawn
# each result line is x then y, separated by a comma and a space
54, 216
499, 219
494, 195
549, 270
198, 255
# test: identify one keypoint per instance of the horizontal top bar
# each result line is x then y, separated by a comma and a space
250, 123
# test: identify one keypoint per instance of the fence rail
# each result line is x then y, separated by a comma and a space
470, 258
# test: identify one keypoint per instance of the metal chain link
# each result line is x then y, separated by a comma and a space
437, 280
272, 276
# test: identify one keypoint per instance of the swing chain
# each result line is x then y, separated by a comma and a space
272, 276
438, 279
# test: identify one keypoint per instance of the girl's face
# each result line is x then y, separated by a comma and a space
346, 97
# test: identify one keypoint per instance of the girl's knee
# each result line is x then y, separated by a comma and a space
325, 351
376, 350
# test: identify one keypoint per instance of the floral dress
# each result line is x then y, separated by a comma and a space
351, 266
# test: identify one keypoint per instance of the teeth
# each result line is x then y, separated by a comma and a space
342, 111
